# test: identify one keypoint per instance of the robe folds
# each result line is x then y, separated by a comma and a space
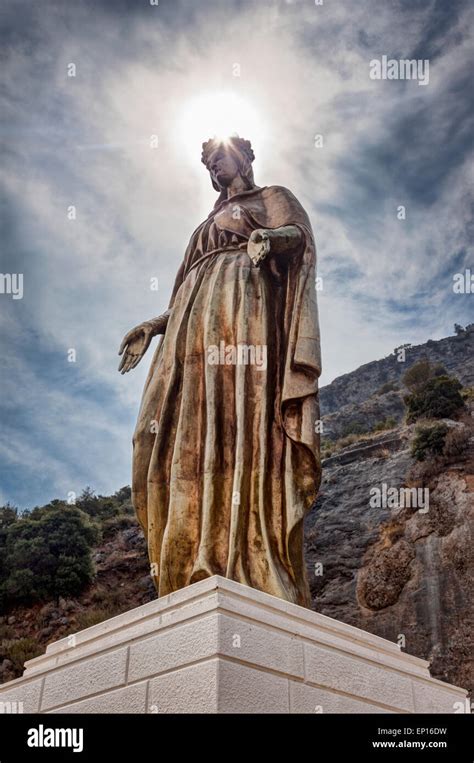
226, 451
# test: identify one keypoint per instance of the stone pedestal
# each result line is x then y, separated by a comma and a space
221, 647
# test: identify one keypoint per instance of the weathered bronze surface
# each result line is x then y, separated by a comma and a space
226, 453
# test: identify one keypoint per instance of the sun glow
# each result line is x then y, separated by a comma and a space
217, 115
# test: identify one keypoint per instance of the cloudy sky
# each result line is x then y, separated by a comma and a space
281, 73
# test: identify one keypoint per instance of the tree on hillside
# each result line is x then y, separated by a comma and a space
98, 507
432, 393
47, 554
421, 372
8, 515
429, 441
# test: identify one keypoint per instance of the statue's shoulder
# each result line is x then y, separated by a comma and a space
279, 194
277, 190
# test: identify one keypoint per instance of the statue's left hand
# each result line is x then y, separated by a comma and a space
258, 247
274, 241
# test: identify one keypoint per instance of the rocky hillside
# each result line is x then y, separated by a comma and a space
358, 401
398, 572
395, 570
404, 574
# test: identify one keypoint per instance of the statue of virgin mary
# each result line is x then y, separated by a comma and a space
226, 451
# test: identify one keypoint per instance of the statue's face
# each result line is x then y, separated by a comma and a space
222, 167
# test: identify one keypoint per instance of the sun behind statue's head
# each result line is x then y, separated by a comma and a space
227, 157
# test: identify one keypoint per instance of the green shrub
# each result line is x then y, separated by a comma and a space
19, 651
468, 393
421, 372
388, 423
438, 398
8, 516
352, 428
97, 506
114, 524
47, 554
429, 441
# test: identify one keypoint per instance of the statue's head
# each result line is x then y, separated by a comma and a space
225, 159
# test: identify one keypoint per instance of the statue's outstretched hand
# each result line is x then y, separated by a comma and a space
134, 345
274, 241
258, 246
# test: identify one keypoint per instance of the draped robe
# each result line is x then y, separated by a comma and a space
226, 454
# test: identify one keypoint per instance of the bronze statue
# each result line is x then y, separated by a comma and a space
226, 451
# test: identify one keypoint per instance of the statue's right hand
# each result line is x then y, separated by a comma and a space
134, 345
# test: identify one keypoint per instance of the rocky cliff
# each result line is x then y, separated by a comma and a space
358, 401
403, 573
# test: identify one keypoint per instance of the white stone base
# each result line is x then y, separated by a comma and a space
221, 647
